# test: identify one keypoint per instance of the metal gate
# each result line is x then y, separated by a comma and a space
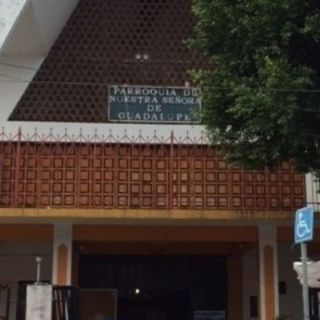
65, 303
5, 295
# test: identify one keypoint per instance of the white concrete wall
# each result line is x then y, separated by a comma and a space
17, 263
290, 303
9, 14
51, 17
19, 41
38, 26
15, 75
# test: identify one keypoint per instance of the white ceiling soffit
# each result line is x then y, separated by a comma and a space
9, 12
36, 27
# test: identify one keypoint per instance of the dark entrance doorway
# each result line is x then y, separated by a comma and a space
158, 287
170, 304
314, 303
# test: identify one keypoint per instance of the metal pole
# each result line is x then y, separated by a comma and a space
305, 290
38, 261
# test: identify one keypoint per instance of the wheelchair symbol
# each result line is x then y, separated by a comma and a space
302, 226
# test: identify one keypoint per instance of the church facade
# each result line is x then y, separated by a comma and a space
107, 174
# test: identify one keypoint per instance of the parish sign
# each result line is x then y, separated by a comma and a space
148, 104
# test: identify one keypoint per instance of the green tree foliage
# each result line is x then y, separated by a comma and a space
261, 97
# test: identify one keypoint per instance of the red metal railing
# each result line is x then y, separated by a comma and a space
74, 172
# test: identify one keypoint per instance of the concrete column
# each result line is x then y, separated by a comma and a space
62, 254
268, 272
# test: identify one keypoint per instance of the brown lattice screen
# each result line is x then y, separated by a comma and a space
89, 175
137, 42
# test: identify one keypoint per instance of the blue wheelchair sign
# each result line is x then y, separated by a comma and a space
303, 227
